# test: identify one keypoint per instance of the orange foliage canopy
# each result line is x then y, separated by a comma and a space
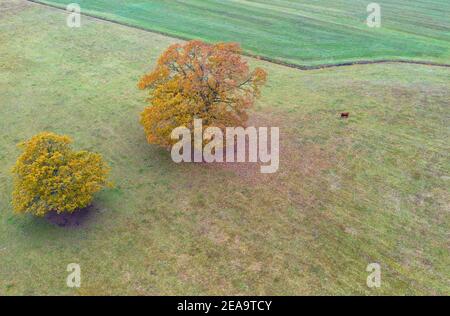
196, 80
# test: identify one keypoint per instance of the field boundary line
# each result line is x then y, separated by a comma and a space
255, 56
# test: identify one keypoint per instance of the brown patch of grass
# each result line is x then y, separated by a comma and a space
213, 232
12, 7
305, 160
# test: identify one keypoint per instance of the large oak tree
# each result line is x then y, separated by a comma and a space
196, 80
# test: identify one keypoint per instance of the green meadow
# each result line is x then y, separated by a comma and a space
372, 188
300, 32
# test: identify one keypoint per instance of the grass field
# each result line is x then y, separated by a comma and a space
299, 32
374, 188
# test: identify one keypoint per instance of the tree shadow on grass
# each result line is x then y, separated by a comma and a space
54, 223
77, 219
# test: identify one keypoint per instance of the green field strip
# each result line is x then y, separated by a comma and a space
305, 34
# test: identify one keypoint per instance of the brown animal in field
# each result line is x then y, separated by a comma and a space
345, 114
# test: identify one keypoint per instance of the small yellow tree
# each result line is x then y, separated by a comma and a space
196, 80
50, 176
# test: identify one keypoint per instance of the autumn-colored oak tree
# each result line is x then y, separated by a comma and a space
196, 80
50, 176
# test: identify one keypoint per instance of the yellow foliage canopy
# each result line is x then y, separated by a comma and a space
196, 80
50, 176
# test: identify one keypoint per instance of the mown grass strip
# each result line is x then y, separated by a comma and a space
249, 54
293, 33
